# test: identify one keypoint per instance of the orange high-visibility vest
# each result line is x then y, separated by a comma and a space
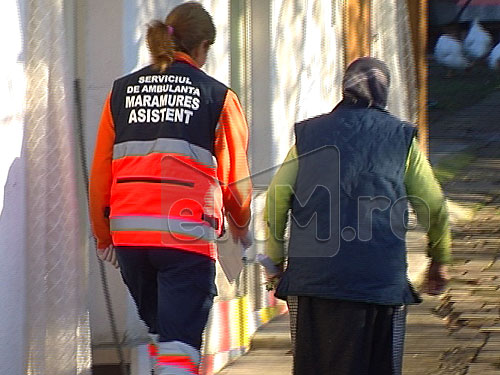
164, 184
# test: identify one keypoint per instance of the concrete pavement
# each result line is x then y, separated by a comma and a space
270, 351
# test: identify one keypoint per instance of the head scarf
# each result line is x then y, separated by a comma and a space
366, 81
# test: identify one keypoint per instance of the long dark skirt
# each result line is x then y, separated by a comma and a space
348, 338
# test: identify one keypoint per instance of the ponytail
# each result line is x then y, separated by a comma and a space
185, 27
160, 44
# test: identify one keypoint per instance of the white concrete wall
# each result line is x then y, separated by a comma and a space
297, 65
390, 18
263, 135
12, 189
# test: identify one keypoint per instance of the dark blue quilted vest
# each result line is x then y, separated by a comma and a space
349, 214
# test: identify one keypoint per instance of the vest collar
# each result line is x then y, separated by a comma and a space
184, 57
359, 103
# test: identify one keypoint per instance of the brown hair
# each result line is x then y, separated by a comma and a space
185, 27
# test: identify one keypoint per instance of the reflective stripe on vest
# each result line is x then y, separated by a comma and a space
192, 229
164, 145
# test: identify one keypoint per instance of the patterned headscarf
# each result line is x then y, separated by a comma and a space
366, 81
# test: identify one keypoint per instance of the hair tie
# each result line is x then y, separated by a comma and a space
170, 30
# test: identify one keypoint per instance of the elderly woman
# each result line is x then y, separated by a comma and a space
347, 181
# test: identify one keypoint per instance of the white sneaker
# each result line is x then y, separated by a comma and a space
177, 358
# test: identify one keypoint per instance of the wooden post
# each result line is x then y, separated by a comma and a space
357, 30
419, 28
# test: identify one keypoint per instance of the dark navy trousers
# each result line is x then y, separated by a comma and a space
173, 290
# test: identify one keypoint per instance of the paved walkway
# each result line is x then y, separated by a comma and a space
269, 354
457, 333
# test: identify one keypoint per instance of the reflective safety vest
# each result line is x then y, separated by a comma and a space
165, 191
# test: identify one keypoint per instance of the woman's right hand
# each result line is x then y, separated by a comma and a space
108, 254
238, 233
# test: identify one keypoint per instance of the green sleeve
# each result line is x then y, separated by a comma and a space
427, 199
278, 202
